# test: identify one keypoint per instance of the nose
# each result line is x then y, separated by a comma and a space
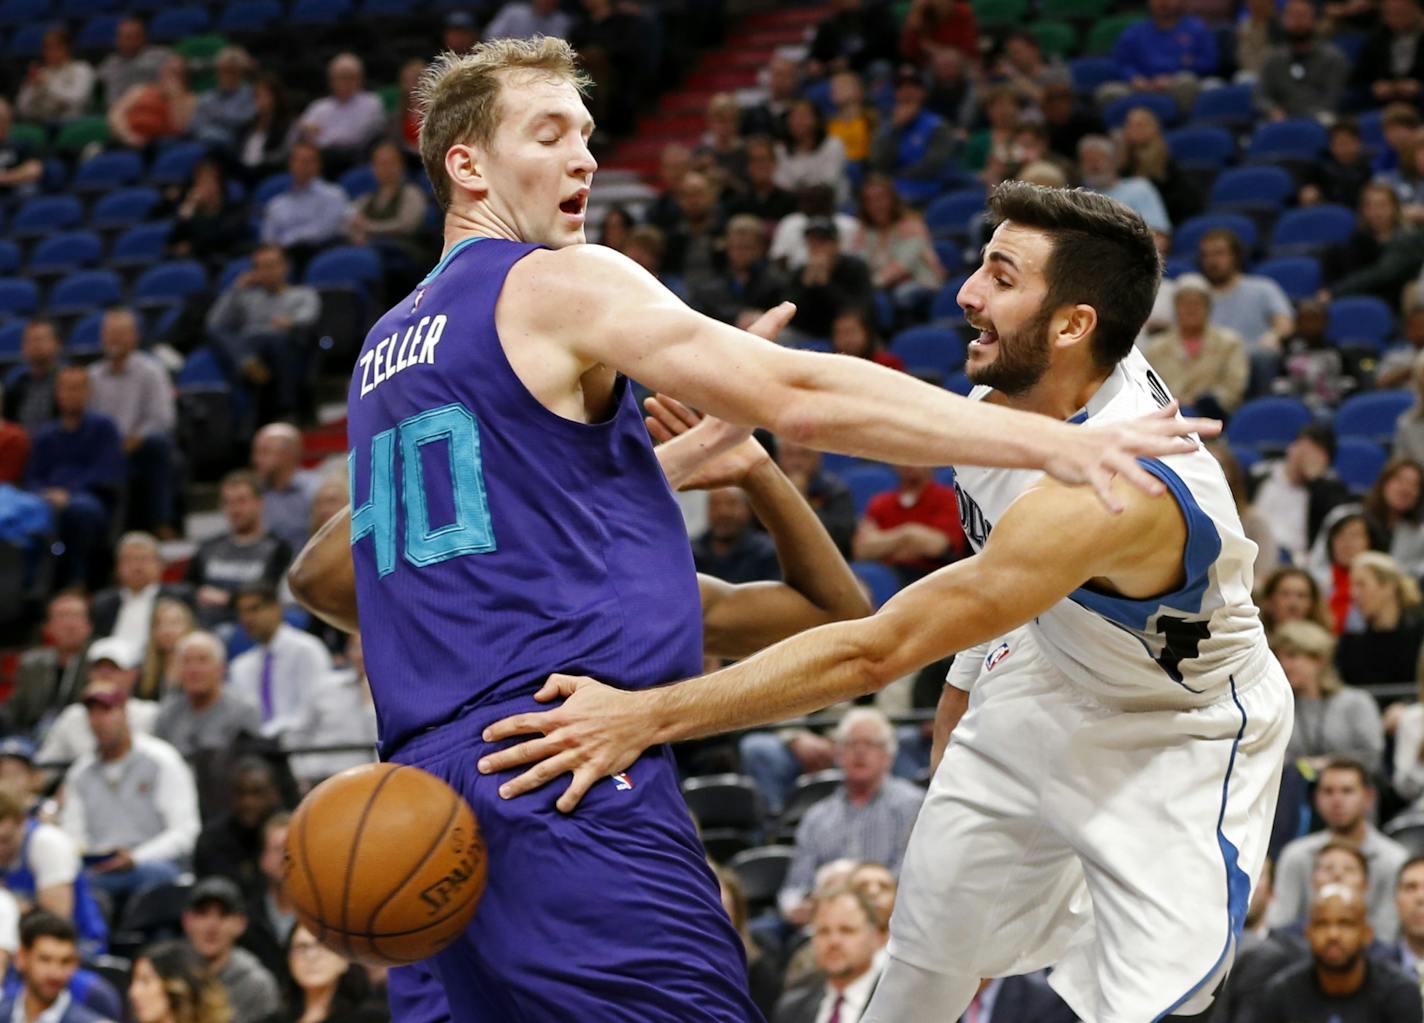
970, 298
584, 165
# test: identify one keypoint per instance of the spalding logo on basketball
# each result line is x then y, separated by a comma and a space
385, 864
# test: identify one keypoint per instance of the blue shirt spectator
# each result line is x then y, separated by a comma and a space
311, 211
225, 112
1168, 43
1098, 157
916, 147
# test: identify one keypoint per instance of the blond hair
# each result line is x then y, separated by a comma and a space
1388, 572
1306, 637
458, 95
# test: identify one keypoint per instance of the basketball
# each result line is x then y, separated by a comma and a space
385, 864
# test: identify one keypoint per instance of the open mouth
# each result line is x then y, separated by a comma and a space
575, 204
987, 336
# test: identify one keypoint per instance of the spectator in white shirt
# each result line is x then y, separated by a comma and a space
280, 673
112, 661
343, 123
131, 805
58, 86
339, 713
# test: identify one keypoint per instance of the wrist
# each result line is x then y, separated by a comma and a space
662, 720
760, 473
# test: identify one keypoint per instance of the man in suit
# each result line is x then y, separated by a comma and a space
51, 677
848, 939
48, 959
1408, 951
126, 610
1025, 999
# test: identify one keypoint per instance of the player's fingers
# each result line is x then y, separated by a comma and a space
667, 418
557, 685
679, 410
539, 775
660, 433
1139, 477
518, 756
584, 779
1101, 482
1203, 426
772, 322
519, 724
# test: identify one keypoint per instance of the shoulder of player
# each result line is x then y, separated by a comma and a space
575, 270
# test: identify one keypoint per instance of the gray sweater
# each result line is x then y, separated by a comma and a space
1344, 724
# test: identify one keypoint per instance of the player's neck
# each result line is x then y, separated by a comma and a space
466, 222
1342, 984
1061, 394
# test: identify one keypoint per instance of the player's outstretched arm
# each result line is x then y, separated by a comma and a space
1050, 542
607, 310
323, 577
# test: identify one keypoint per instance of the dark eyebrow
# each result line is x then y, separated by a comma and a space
996, 256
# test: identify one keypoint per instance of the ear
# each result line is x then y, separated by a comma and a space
464, 166
1074, 325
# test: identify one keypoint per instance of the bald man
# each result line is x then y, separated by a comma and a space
1341, 984
286, 488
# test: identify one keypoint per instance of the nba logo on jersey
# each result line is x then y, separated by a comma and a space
995, 656
622, 782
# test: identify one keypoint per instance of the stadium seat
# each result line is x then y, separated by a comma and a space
32, 135
959, 383
358, 181
945, 308
19, 296
23, 12
83, 340
170, 282
249, 16
1090, 72
1252, 188
1350, 44
1360, 319
81, 132
11, 334
141, 245
45, 214
1184, 241
1073, 10
174, 166
107, 171
724, 801
319, 12
86, 8
866, 481
344, 266
174, 23
932, 352
1297, 139
98, 33
1055, 39
999, 13
150, 912
85, 291
1245, 457
124, 208
950, 256
948, 216
762, 872
1103, 36
1178, 265
1201, 146
1372, 415
26, 42
201, 369
1230, 106
1311, 229
1372, 129
1298, 276
233, 270
880, 579
1268, 423
269, 188
1358, 462
1164, 106
388, 8
9, 257
64, 252
199, 49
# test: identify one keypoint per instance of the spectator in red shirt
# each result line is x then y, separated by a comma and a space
914, 529
852, 333
14, 451
933, 25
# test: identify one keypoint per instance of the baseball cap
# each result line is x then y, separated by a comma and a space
19, 747
104, 693
219, 890
820, 227
116, 649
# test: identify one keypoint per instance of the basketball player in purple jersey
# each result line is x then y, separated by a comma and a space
509, 520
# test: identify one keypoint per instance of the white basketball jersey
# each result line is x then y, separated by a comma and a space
1180, 649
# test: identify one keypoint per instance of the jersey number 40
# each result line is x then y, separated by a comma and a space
425, 544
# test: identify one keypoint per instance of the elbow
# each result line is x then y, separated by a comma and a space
302, 581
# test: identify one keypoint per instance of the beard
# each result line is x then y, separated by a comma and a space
1022, 360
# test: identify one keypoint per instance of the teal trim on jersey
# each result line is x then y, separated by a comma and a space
460, 246
377, 515
1238, 885
472, 531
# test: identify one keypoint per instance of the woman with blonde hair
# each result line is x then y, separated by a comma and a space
1145, 155
1331, 719
1384, 647
172, 620
172, 984
1409, 431
1291, 594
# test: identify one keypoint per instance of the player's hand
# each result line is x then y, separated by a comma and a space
596, 732
1094, 456
740, 451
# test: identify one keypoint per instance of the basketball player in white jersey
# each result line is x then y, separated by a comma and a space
1105, 801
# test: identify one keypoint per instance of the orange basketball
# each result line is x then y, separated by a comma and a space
385, 863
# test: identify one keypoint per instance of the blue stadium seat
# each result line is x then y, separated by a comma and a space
358, 181
108, 171
944, 475
835, 463
1201, 146
1253, 187
1372, 415
232, 271
170, 282
319, 12
83, 340
69, 250
174, 23
951, 257
880, 580
949, 215
959, 383
1231, 106
1184, 241
1270, 423
141, 245
11, 334
26, 42
1360, 320
19, 296
246, 16
1178, 265
1358, 462
929, 351
73, 9
344, 265
1164, 106
23, 12
1245, 457
1311, 229
84, 291
1298, 276
1090, 72
269, 188
946, 302
124, 208
1350, 44
9, 257
175, 164
98, 33
45, 214
1297, 139
1372, 129
865, 481
201, 369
